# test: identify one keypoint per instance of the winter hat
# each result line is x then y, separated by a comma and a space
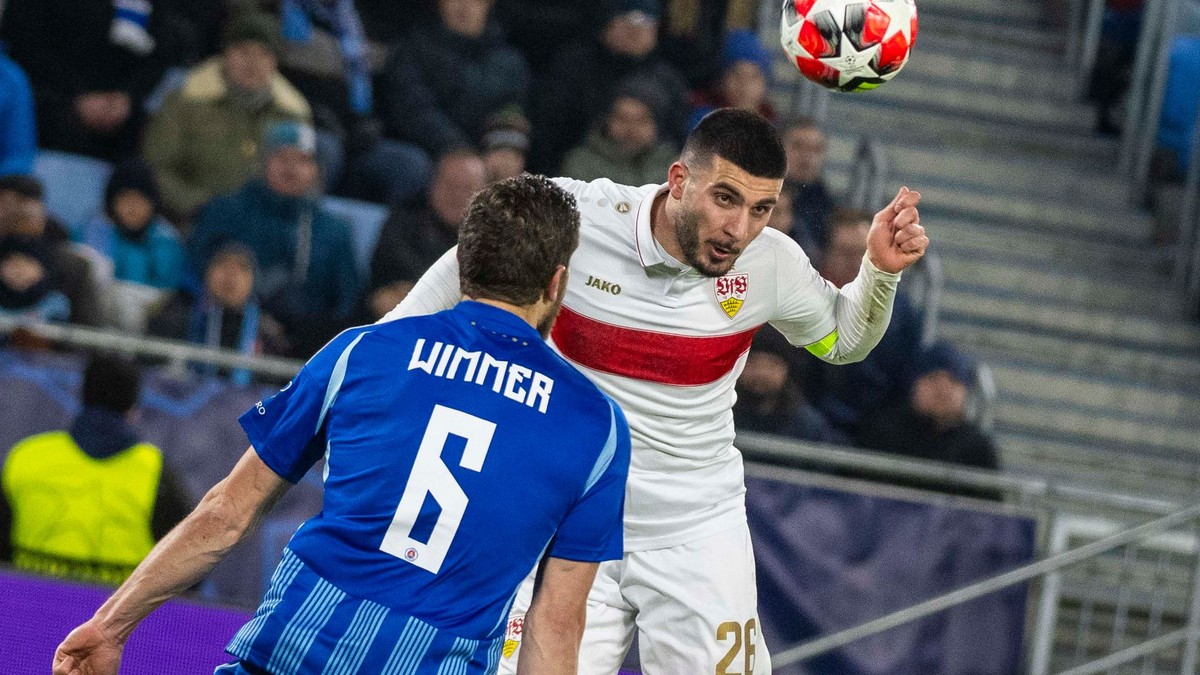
297, 135
743, 45
643, 89
133, 174
650, 8
26, 186
942, 355
237, 251
253, 26
506, 129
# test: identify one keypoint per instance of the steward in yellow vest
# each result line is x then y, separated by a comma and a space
89, 503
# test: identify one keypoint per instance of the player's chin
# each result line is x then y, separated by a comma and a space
716, 268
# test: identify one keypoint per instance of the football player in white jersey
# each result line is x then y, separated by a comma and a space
667, 289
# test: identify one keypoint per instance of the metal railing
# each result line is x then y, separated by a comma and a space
1066, 513
175, 353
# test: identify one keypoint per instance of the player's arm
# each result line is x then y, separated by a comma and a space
230, 511
436, 290
554, 623
856, 316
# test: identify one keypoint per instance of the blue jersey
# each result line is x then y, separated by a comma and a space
458, 449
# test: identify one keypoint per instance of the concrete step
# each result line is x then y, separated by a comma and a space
1039, 213
1061, 287
1180, 371
1142, 332
1097, 468
1011, 12
988, 29
1029, 245
1138, 437
972, 71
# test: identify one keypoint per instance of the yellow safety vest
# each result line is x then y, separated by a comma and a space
79, 517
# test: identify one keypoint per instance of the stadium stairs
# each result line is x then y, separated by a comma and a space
1051, 277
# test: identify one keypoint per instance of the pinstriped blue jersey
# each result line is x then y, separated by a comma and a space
458, 449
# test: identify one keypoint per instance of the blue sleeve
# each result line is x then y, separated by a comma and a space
288, 429
592, 531
18, 142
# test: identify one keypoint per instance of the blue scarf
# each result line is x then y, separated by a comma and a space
205, 328
342, 18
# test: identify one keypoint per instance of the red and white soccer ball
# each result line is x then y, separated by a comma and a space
849, 45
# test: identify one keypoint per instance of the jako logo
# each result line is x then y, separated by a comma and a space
606, 286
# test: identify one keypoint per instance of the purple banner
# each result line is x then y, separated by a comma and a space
181, 638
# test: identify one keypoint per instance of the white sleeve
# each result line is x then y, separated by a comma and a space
838, 326
435, 291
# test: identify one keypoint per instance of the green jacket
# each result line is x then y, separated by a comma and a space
202, 143
601, 157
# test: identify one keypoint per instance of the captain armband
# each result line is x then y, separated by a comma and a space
823, 346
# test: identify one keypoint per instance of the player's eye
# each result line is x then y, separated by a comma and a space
724, 199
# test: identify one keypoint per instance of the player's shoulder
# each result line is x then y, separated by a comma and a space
604, 194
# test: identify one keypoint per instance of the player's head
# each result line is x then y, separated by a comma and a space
726, 182
515, 243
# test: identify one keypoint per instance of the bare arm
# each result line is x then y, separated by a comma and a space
554, 623
230, 510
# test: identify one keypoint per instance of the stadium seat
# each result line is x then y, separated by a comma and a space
74, 184
1181, 97
365, 220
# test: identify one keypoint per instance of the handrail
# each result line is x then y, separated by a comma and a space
172, 350
985, 587
774, 450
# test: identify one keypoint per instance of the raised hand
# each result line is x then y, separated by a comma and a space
897, 239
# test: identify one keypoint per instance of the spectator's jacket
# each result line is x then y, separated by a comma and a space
203, 142
602, 157
155, 259
439, 88
578, 90
305, 258
18, 141
67, 519
410, 241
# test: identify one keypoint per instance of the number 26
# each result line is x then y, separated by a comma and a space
733, 629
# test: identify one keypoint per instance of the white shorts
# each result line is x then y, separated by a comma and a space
694, 606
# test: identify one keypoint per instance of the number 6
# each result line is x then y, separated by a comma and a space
431, 476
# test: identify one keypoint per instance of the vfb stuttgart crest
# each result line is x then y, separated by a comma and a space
731, 292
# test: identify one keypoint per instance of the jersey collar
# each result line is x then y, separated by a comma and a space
497, 320
650, 253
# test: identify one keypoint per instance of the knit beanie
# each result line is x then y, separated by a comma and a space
743, 45
133, 174
253, 26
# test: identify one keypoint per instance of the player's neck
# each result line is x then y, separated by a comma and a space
530, 314
662, 215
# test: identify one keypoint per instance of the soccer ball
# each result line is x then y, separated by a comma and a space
849, 45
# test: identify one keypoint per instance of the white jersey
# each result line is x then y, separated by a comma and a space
668, 344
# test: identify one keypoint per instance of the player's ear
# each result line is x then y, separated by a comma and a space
676, 176
558, 285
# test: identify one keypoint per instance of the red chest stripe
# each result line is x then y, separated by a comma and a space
679, 360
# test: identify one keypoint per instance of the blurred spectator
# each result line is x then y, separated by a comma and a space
505, 144
132, 232
416, 234
1110, 75
783, 214
328, 59
18, 132
445, 79
91, 62
768, 400
204, 140
583, 79
930, 423
23, 215
29, 283
542, 28
806, 145
846, 394
224, 313
387, 21
306, 273
625, 145
89, 502
743, 81
691, 32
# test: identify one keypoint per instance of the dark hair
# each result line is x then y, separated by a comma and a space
132, 174
740, 136
516, 233
111, 381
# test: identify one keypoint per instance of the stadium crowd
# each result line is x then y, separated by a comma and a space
226, 121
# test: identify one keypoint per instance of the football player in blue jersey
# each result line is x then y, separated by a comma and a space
459, 450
